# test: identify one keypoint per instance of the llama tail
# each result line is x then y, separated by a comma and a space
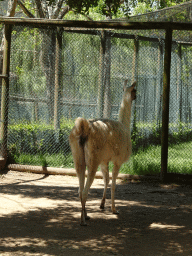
77, 139
81, 130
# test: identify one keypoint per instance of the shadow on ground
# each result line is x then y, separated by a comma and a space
39, 215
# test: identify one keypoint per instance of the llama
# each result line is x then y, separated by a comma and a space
97, 142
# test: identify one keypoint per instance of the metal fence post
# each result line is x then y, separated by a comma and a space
5, 92
165, 111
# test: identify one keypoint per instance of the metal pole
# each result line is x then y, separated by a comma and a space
165, 112
5, 91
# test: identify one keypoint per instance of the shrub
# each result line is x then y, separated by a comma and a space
36, 138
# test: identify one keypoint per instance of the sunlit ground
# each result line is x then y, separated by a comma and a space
40, 215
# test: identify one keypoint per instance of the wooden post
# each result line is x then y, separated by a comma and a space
159, 83
100, 100
179, 70
107, 84
135, 60
57, 80
165, 113
5, 91
135, 77
179, 84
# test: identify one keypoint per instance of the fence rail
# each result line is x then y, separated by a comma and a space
122, 25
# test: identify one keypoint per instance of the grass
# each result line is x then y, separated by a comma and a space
144, 162
180, 158
53, 160
149, 161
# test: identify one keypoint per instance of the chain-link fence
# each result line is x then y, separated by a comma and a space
60, 74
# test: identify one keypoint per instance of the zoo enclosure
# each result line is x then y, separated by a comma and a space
102, 105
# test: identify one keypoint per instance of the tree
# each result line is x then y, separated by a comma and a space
57, 9
143, 6
10, 13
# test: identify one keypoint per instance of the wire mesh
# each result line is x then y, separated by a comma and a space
176, 13
57, 76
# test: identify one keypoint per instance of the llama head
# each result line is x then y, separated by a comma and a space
129, 91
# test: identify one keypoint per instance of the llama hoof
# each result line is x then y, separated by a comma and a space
102, 207
83, 224
116, 212
87, 217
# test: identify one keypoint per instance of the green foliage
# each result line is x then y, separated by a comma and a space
104, 6
99, 9
143, 7
66, 124
38, 139
81, 65
178, 133
145, 134
26, 44
148, 161
53, 150
180, 160
82, 6
144, 162
54, 160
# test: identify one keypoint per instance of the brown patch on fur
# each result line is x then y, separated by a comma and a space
133, 94
82, 140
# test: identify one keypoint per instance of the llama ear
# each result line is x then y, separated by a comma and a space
125, 84
134, 84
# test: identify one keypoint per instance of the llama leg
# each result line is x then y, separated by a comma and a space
114, 177
105, 171
79, 161
81, 177
90, 178
80, 167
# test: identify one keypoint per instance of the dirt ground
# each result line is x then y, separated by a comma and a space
40, 215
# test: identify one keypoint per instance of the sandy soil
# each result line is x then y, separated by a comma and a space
40, 215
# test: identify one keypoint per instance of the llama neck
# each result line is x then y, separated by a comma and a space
125, 114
